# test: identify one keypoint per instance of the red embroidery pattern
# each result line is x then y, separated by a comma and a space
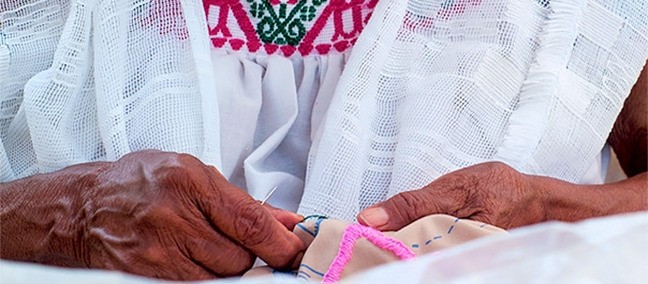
304, 26
166, 17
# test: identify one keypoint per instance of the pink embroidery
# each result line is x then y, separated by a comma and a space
337, 8
287, 26
167, 19
221, 33
351, 234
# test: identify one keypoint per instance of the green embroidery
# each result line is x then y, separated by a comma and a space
285, 25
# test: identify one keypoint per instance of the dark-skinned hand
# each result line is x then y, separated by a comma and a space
150, 213
496, 194
492, 193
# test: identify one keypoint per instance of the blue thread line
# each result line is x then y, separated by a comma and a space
304, 273
289, 272
415, 246
452, 227
429, 241
483, 225
303, 277
319, 221
317, 225
305, 229
312, 269
313, 217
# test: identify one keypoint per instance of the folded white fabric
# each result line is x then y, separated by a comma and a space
604, 250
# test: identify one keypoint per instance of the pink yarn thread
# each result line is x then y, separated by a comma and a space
349, 238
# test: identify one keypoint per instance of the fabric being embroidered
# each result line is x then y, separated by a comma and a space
318, 223
286, 26
314, 216
340, 249
351, 234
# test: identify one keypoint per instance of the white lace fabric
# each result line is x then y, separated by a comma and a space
94, 80
430, 87
434, 86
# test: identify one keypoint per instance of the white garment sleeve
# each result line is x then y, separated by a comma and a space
102, 79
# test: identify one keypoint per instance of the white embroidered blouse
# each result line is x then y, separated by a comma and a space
338, 103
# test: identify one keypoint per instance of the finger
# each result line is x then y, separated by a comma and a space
398, 211
164, 262
286, 218
218, 254
247, 222
440, 197
183, 269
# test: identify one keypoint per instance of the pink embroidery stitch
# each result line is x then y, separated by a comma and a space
335, 28
165, 18
221, 34
351, 234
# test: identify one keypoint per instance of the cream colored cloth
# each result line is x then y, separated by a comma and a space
426, 235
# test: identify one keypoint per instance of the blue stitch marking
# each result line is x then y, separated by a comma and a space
450, 230
314, 217
483, 225
415, 246
306, 230
312, 269
428, 242
289, 272
437, 237
456, 220
303, 277
304, 273
317, 225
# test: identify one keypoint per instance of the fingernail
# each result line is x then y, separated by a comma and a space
374, 217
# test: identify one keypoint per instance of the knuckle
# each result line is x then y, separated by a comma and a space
499, 168
189, 159
253, 227
407, 206
500, 173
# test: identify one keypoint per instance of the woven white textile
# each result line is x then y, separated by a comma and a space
431, 88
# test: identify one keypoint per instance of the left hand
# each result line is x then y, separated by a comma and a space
492, 193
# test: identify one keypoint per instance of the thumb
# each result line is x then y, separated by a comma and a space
285, 217
400, 210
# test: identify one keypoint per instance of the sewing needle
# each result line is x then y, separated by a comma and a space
268, 195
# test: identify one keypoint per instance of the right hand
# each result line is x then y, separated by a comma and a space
170, 216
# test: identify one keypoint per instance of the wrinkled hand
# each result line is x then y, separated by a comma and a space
168, 215
492, 193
